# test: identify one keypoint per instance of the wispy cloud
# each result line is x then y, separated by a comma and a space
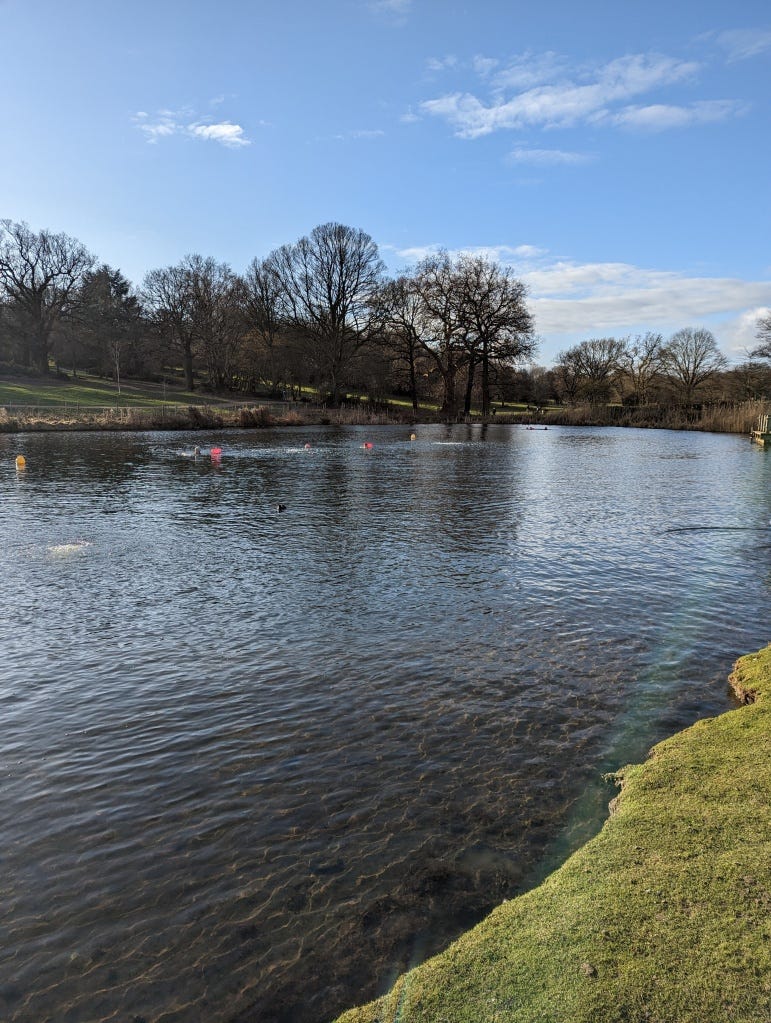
662, 117
743, 43
397, 11
183, 123
547, 157
446, 63
355, 134
563, 103
507, 254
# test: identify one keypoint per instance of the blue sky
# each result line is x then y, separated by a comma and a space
617, 155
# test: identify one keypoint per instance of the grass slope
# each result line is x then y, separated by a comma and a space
87, 390
664, 917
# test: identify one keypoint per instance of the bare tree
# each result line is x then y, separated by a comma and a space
39, 274
329, 281
589, 366
217, 307
264, 323
639, 363
169, 300
763, 350
567, 375
444, 326
500, 326
690, 358
399, 312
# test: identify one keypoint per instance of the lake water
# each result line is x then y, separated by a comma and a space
254, 764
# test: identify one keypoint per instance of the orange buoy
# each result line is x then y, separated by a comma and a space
21, 462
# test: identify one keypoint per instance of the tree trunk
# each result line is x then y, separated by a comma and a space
187, 363
413, 381
485, 379
469, 387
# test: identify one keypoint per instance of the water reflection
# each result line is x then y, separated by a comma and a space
255, 764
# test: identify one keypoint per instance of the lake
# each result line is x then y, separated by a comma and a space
256, 763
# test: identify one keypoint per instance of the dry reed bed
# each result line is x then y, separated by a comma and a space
740, 418
191, 417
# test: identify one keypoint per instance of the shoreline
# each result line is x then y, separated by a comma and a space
179, 417
663, 917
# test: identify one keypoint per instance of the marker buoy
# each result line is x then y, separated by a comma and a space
216, 454
368, 444
413, 436
307, 447
21, 462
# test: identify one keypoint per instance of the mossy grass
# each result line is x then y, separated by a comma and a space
664, 917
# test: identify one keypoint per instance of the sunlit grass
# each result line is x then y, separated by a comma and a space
88, 390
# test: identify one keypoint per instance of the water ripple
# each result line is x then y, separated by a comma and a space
255, 764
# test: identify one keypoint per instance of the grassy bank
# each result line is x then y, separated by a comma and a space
88, 403
664, 917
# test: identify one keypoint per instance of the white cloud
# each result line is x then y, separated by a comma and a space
662, 117
170, 122
571, 300
743, 43
227, 134
547, 157
562, 103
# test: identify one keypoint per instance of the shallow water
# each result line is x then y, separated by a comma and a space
256, 763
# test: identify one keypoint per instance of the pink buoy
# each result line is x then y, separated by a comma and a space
307, 447
368, 444
216, 454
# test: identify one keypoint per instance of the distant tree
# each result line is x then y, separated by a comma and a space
691, 358
399, 313
105, 324
169, 299
267, 340
568, 375
39, 274
588, 368
217, 308
444, 326
749, 381
329, 281
639, 362
763, 350
499, 325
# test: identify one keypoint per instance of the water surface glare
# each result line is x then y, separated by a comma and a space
254, 764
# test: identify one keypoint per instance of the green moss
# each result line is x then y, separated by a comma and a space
664, 917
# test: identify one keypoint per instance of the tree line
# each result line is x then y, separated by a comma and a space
322, 313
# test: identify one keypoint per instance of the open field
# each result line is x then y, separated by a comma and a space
664, 917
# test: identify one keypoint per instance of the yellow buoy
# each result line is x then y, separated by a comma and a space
413, 436
21, 462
